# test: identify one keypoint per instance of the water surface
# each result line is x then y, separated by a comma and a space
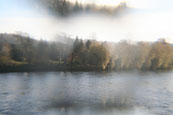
86, 93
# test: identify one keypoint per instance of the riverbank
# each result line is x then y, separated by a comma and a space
62, 67
46, 68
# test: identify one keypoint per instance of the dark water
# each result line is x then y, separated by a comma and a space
86, 93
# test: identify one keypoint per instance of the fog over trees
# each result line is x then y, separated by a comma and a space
17, 50
66, 7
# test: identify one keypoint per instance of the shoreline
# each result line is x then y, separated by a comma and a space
47, 68
67, 68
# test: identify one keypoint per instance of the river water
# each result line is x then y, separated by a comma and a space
86, 93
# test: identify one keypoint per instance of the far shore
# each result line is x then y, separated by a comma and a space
64, 68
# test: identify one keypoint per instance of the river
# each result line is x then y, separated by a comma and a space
86, 93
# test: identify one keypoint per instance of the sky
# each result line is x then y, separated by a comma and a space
148, 20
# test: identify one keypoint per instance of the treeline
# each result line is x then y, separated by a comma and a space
17, 50
65, 7
123, 55
142, 55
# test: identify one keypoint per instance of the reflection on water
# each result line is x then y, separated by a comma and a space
86, 93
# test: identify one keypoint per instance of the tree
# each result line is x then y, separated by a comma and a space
16, 53
98, 55
5, 54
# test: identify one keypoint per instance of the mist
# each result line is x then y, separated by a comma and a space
123, 22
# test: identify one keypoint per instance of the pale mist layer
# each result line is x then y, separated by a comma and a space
98, 23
